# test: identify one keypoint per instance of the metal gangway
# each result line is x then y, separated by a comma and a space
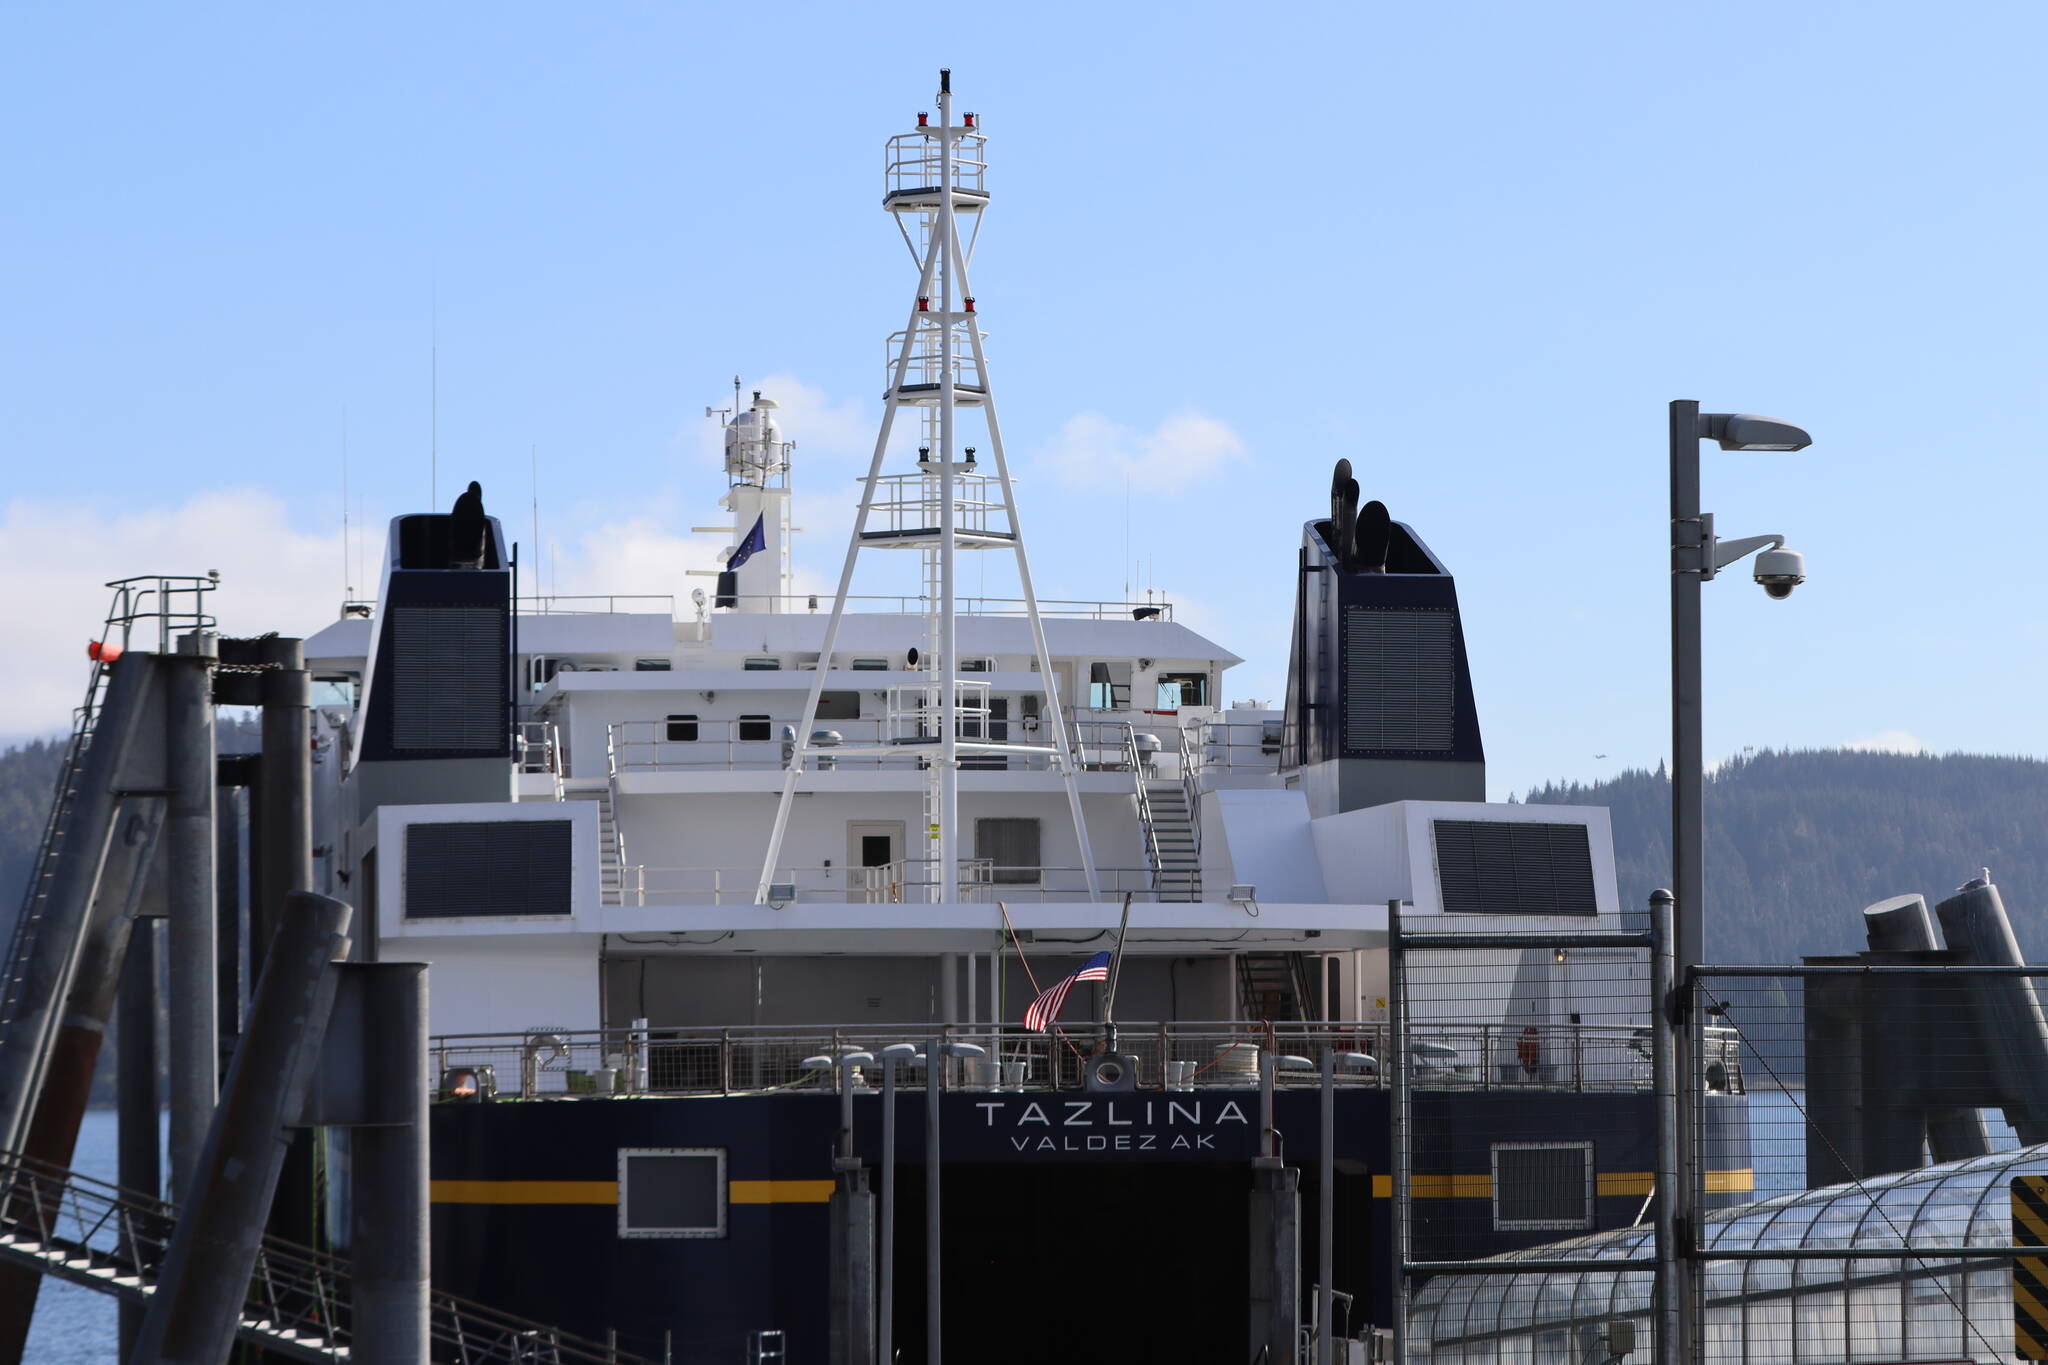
110, 1240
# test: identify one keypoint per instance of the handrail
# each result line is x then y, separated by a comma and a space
123, 613
60, 1222
1604, 1058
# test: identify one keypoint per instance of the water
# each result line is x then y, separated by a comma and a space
74, 1325
1777, 1136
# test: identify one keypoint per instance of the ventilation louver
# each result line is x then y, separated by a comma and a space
491, 867
1500, 867
1400, 671
448, 677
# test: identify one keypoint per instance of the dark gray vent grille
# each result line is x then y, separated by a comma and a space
1495, 867
1400, 681
448, 679
488, 867
1543, 1187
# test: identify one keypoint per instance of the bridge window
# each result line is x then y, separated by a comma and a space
1183, 689
1109, 685
671, 1192
682, 729
754, 728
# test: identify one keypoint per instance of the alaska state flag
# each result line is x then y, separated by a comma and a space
756, 541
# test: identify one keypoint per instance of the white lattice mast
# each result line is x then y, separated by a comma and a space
934, 175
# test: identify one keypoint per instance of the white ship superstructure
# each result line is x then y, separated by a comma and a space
761, 807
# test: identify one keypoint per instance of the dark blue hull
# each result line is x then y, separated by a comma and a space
1077, 1223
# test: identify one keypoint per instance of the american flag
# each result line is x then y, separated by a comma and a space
1046, 1008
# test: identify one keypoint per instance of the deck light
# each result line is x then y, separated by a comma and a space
781, 894
469, 1084
1244, 893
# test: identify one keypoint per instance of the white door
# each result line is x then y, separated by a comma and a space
874, 860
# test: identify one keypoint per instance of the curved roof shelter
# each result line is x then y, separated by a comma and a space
1919, 1306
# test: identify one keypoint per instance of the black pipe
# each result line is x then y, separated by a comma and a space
204, 1285
141, 1111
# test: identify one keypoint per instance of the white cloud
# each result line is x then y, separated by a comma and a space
1888, 742
56, 555
1093, 451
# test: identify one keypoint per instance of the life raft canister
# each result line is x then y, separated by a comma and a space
1528, 1051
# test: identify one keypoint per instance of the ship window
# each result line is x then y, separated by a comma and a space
1109, 686
871, 665
762, 664
753, 728
1183, 689
671, 1192
1011, 846
977, 665
839, 706
1542, 1186
653, 665
682, 729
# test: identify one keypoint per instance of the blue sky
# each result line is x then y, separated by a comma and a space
1475, 249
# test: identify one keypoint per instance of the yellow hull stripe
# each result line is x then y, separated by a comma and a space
607, 1191
525, 1191
1608, 1184
780, 1191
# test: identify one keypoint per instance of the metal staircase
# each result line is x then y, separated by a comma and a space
1166, 822
111, 1240
1171, 841
1275, 987
611, 845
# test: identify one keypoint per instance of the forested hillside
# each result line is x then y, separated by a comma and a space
28, 775
1797, 843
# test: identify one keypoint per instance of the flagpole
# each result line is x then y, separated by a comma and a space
1116, 970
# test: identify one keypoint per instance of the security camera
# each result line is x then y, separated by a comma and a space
1779, 571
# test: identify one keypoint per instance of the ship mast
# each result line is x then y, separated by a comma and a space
945, 504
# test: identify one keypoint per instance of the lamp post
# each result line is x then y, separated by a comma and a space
1326, 1196
908, 1055
1696, 556
935, 1053
845, 1065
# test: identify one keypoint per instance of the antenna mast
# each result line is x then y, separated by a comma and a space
943, 505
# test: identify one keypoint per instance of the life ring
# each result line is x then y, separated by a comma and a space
1529, 1051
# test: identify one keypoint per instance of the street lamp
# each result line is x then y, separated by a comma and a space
1326, 1195
908, 1055
846, 1064
935, 1053
1696, 556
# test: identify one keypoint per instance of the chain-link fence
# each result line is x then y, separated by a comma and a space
1857, 1137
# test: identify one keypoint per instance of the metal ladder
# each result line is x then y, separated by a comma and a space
137, 601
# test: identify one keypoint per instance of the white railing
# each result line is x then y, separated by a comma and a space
908, 882
1189, 1054
766, 745
1239, 744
